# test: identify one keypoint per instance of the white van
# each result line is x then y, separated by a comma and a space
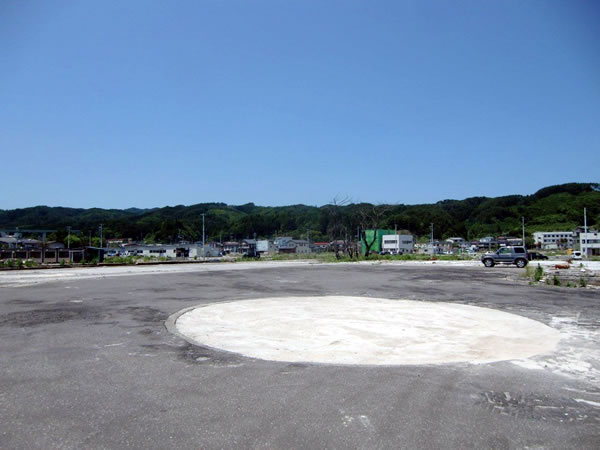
576, 254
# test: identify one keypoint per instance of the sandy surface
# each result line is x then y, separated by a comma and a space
360, 330
36, 276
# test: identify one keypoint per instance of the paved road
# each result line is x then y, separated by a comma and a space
88, 363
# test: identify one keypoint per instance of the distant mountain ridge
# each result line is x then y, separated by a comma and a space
558, 207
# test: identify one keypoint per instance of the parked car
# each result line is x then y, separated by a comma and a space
535, 255
506, 255
577, 254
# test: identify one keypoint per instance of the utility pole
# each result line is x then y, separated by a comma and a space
90, 238
68, 237
100, 227
585, 232
523, 220
43, 246
203, 236
432, 235
308, 236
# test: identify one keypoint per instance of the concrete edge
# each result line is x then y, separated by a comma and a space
171, 323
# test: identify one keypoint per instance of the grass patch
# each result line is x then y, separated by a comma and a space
330, 257
121, 259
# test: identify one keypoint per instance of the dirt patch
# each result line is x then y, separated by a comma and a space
50, 316
193, 354
145, 331
145, 314
541, 407
24, 302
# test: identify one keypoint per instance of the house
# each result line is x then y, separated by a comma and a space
295, 246
8, 242
231, 247
508, 241
282, 241
455, 242
398, 244
248, 245
319, 247
118, 242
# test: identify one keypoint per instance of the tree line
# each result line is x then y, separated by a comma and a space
552, 208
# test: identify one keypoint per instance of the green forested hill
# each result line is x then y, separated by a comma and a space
553, 208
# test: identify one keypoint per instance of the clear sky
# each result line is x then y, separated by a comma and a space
149, 103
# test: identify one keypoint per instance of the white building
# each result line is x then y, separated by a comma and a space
265, 246
552, 240
589, 243
398, 244
175, 251
153, 250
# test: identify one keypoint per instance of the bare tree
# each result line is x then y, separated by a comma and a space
349, 246
371, 217
336, 228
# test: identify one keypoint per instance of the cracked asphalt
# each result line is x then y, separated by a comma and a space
89, 363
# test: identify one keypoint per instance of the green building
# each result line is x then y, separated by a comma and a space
376, 247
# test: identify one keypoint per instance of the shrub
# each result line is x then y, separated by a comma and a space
121, 259
582, 282
538, 274
556, 281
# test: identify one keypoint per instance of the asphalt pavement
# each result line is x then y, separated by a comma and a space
89, 363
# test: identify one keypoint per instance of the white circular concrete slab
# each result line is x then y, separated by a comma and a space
360, 330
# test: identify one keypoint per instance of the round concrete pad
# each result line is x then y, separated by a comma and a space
360, 330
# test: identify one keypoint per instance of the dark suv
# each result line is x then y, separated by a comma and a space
506, 255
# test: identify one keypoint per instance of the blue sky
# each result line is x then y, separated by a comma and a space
116, 104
